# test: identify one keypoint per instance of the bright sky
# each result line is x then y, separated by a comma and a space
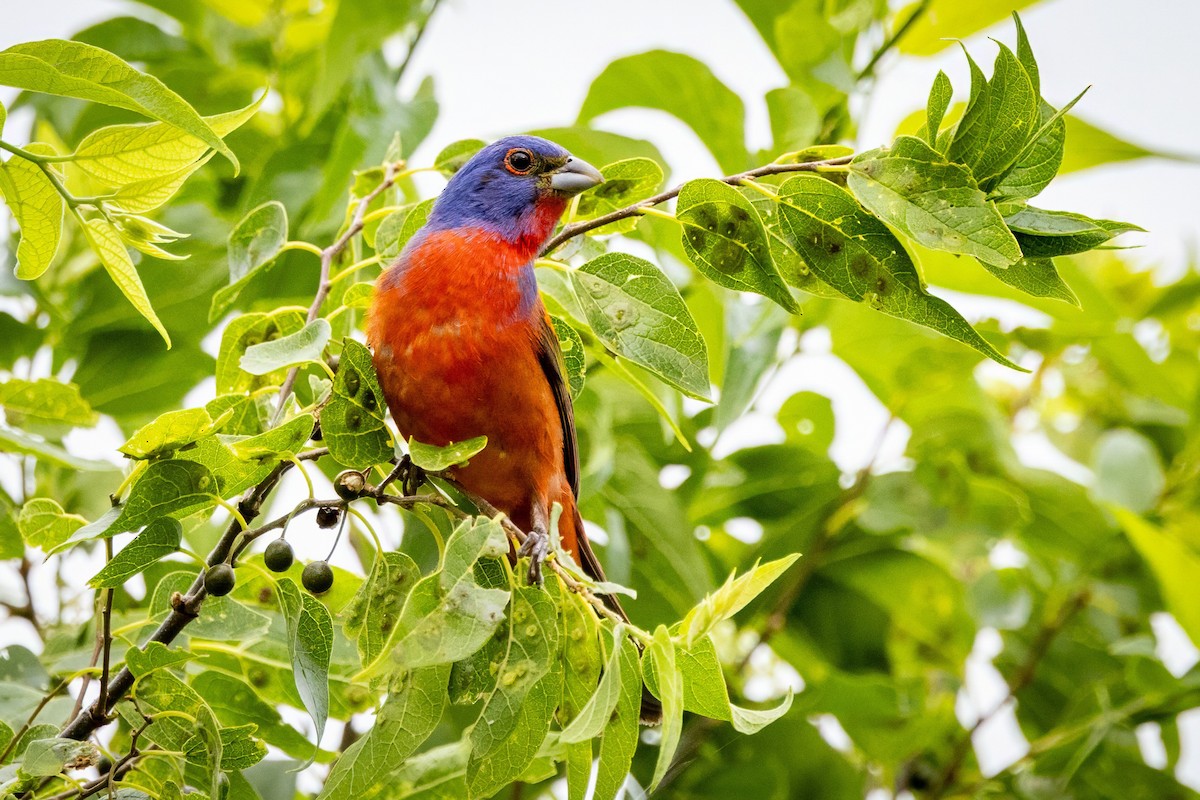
513, 65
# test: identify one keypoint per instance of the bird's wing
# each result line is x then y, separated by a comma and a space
551, 360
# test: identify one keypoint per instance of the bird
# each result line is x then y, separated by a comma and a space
464, 347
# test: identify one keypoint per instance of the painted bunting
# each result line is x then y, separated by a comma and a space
464, 346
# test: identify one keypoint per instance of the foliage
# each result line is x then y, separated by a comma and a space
476, 680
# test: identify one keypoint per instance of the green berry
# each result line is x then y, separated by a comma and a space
219, 580
279, 556
317, 577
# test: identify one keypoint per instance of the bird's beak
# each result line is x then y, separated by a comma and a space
575, 176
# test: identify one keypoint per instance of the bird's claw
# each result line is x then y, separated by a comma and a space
412, 477
537, 547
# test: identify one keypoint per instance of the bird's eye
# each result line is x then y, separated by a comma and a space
519, 161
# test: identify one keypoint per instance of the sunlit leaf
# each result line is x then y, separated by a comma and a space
106, 241
856, 254
435, 459
679, 85
353, 419
634, 309
75, 69
302, 347
253, 246
935, 202
725, 239
159, 539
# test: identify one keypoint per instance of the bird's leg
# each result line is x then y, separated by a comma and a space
411, 476
537, 542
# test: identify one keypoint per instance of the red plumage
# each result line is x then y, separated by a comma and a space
457, 358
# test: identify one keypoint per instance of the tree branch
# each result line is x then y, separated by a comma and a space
182, 612
869, 69
1023, 677
391, 171
579, 228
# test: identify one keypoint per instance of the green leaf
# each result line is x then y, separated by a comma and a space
359, 295
159, 539
169, 487
168, 433
253, 245
435, 459
858, 255
1037, 277
634, 309
155, 655
684, 88
224, 619
947, 21
192, 728
246, 331
574, 357
935, 202
732, 597
621, 734
454, 155
14, 441
1128, 470
1044, 234
1089, 146
935, 108
45, 401
705, 692
448, 615
106, 241
353, 420
1174, 564
155, 154
370, 616
75, 69
593, 717
661, 652
409, 715
398, 227
278, 443
1033, 171
38, 210
302, 347
310, 640
998, 122
795, 119
237, 703
515, 717
43, 523
625, 183
724, 237
46, 758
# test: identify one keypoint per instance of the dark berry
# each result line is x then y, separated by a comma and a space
219, 580
349, 484
327, 516
279, 556
317, 577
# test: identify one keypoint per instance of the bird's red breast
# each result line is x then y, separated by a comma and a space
455, 330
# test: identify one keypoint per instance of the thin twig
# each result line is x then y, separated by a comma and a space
869, 69
105, 638
579, 228
15, 740
182, 612
1019, 681
328, 255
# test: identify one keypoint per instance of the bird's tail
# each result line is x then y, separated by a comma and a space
574, 538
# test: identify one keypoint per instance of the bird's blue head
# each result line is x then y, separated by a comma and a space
516, 188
